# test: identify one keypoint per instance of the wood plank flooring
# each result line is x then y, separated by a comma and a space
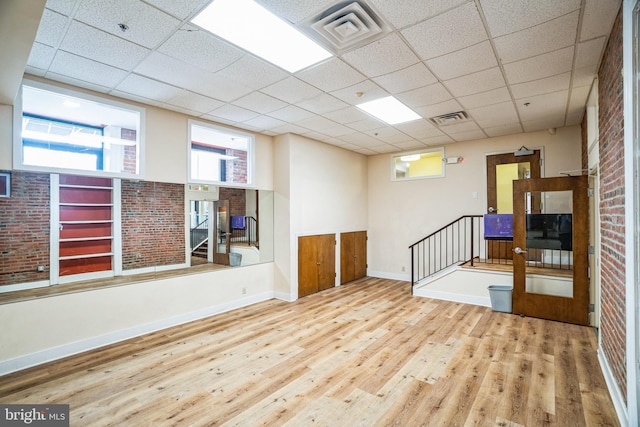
363, 354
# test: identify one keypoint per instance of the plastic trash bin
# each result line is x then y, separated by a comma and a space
500, 296
235, 259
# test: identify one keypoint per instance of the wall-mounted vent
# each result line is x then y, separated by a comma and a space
449, 118
346, 25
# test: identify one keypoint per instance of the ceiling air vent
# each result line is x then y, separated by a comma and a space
346, 25
449, 118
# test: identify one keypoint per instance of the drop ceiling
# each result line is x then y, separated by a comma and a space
511, 66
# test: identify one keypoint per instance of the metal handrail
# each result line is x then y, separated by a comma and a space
199, 234
456, 242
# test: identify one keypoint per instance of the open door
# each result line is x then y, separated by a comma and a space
550, 253
221, 232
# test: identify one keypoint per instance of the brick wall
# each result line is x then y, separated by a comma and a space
152, 224
130, 163
612, 187
236, 198
24, 229
237, 168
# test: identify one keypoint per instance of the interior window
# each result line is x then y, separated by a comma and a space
427, 163
63, 131
218, 155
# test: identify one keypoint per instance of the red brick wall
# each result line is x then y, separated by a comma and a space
236, 198
237, 168
152, 224
24, 229
612, 187
130, 164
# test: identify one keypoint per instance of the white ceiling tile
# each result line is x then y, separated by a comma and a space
504, 17
598, 18
578, 99
40, 72
539, 67
542, 106
218, 87
574, 118
346, 115
200, 48
87, 70
365, 124
264, 122
543, 124
289, 128
467, 126
64, 7
181, 9
469, 135
253, 72
52, 27
490, 97
195, 102
291, 114
337, 130
147, 88
448, 32
409, 78
165, 68
136, 98
41, 56
260, 102
409, 145
366, 152
94, 44
437, 140
360, 139
318, 136
330, 75
77, 82
450, 106
148, 26
428, 95
543, 38
589, 52
291, 90
407, 12
383, 56
465, 61
384, 149
508, 129
316, 123
419, 129
234, 113
389, 134
541, 86
584, 76
495, 115
481, 81
360, 92
322, 104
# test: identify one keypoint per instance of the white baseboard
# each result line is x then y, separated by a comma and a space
618, 400
406, 277
55, 353
154, 269
24, 286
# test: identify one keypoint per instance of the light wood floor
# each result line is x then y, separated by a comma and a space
363, 354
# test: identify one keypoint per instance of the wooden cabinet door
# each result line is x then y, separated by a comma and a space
316, 263
353, 256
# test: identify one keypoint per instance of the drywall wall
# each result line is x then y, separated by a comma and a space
402, 212
38, 330
325, 190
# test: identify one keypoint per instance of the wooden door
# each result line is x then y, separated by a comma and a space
221, 232
316, 263
353, 256
531, 297
501, 249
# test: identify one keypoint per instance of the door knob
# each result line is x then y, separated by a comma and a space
518, 250
492, 209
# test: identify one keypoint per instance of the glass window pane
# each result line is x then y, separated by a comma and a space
417, 165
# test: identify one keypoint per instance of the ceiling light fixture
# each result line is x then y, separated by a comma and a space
253, 28
389, 110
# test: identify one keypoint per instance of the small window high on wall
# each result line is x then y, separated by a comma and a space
218, 155
427, 163
59, 130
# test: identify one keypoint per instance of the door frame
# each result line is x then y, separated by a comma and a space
571, 310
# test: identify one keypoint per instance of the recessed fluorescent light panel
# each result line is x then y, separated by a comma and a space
389, 110
252, 27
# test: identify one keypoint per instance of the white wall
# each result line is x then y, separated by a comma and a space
403, 212
38, 330
325, 191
